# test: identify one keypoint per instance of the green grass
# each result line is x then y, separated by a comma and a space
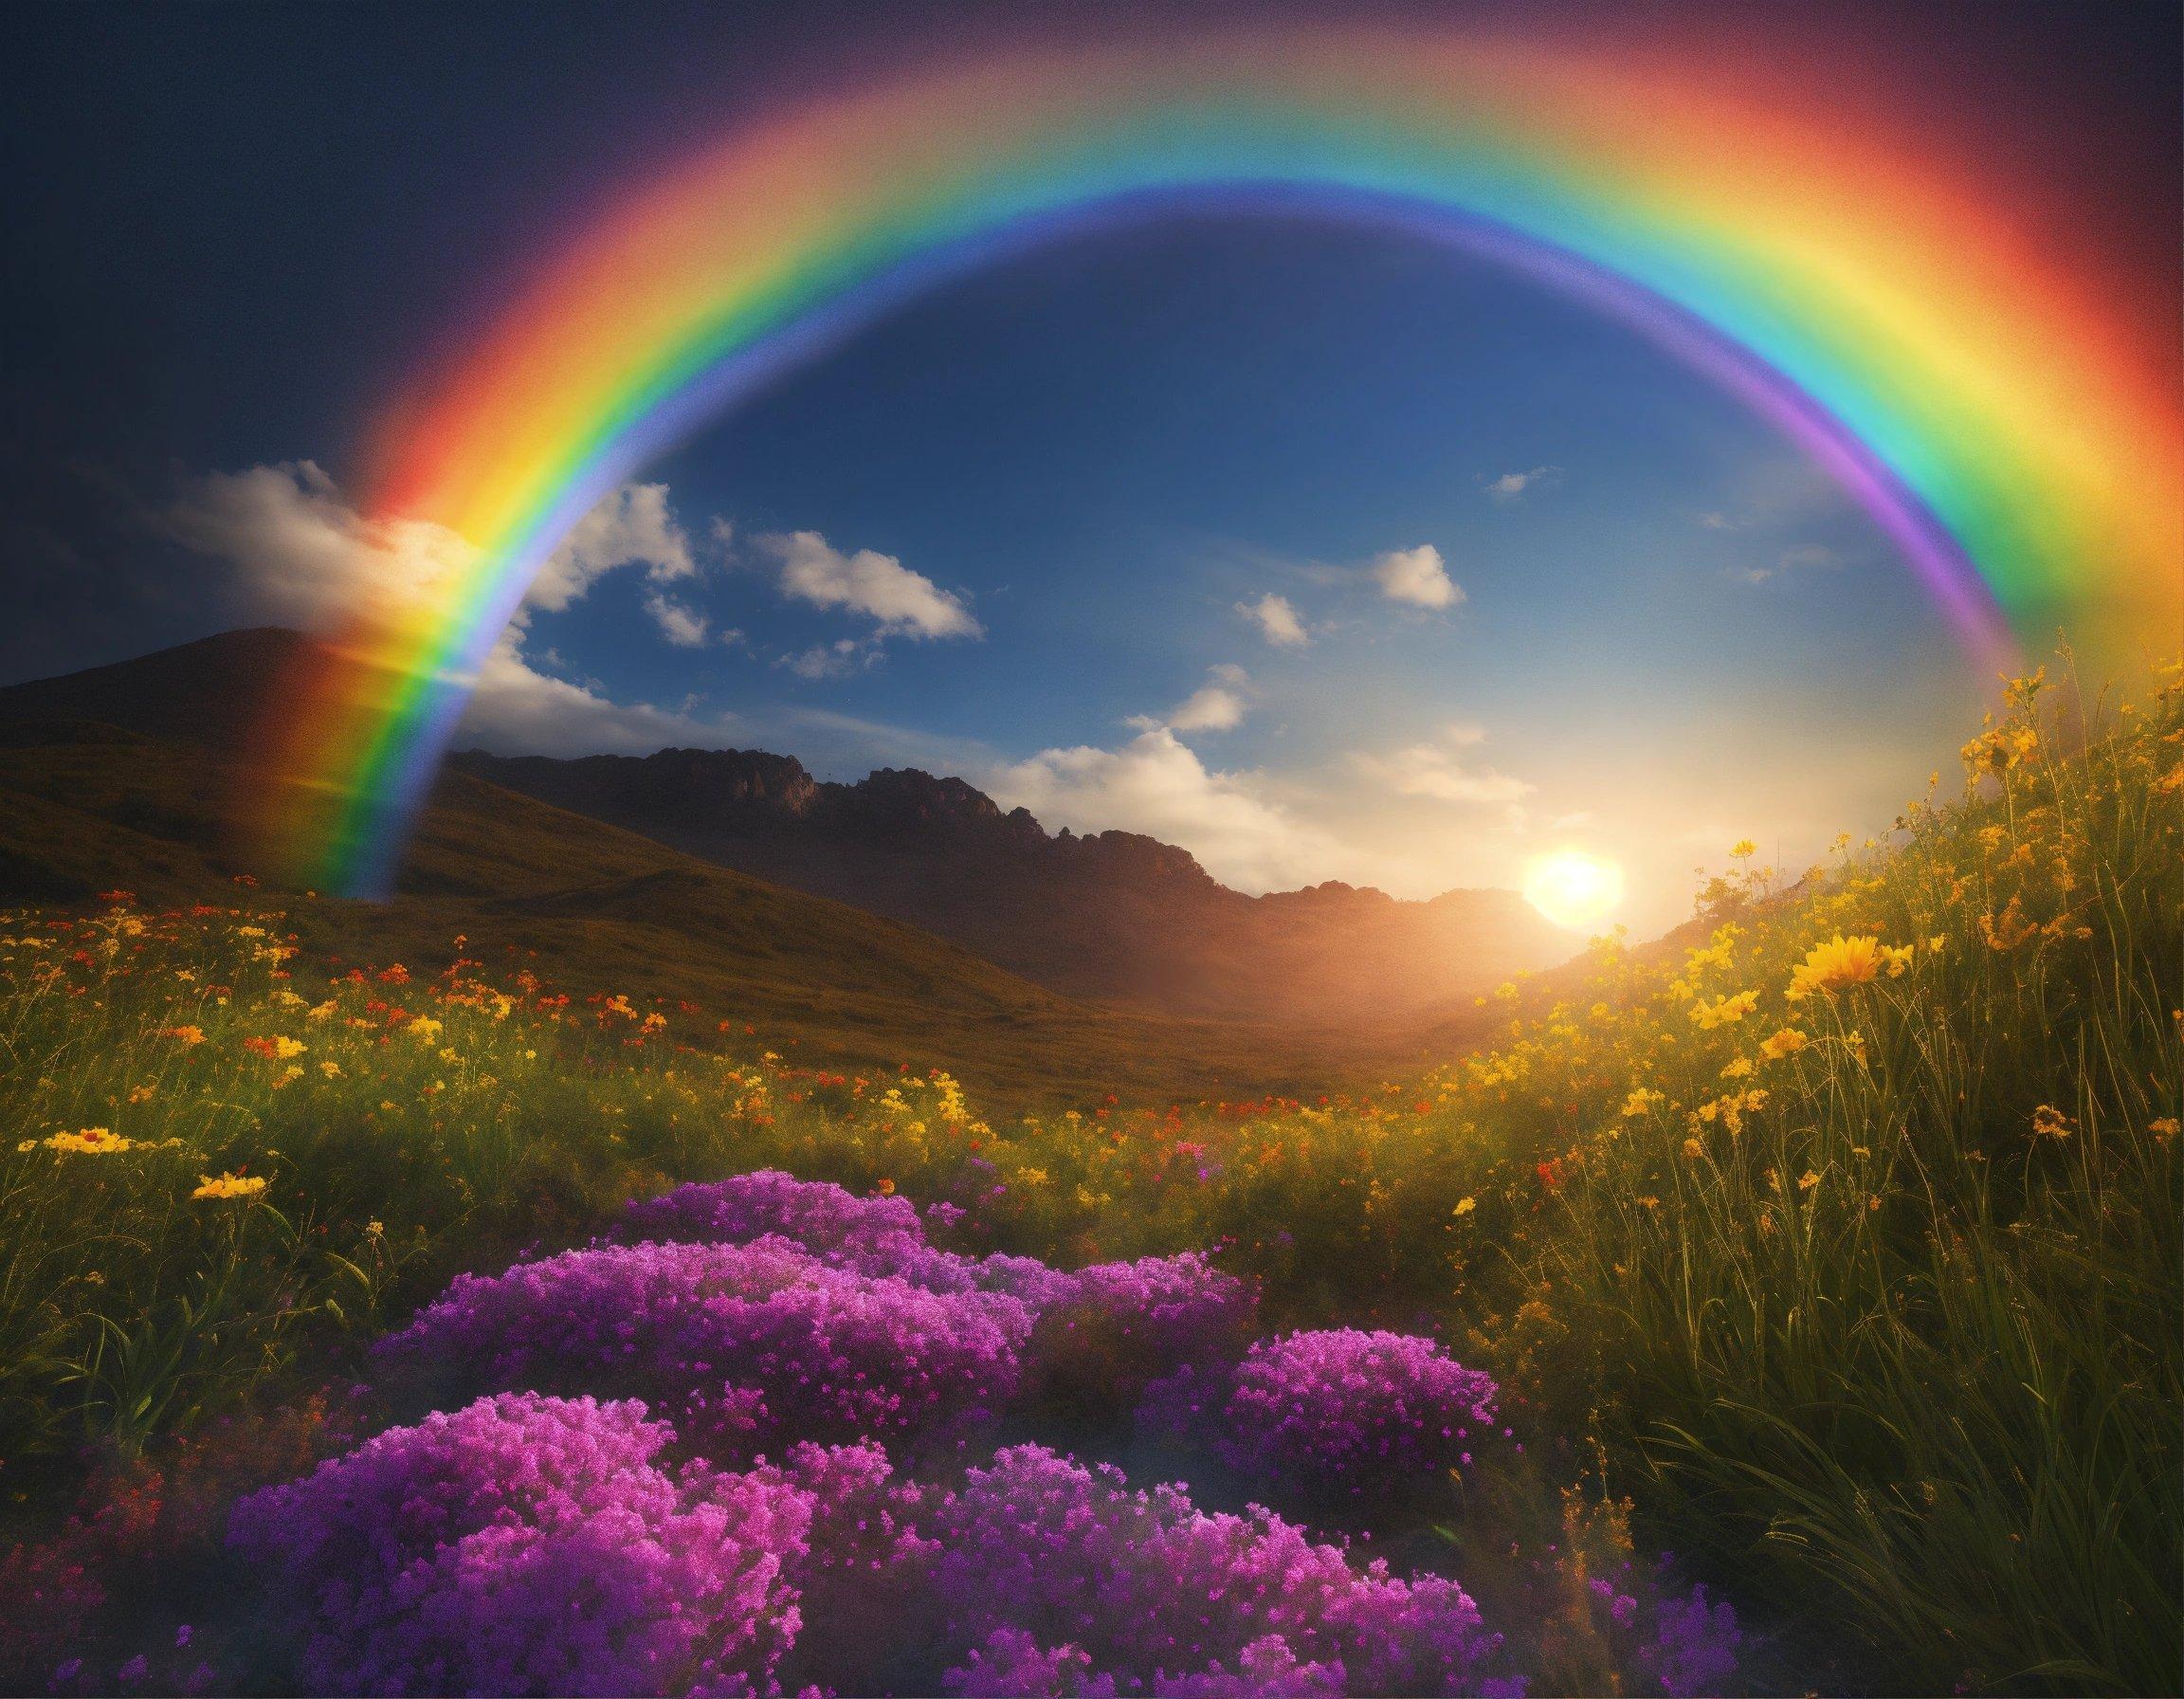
1855, 1269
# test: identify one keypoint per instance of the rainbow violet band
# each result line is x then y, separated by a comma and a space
2002, 419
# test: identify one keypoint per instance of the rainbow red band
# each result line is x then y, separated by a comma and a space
2013, 435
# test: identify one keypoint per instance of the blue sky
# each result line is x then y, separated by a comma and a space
1637, 621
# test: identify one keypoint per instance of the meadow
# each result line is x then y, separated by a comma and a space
1831, 1246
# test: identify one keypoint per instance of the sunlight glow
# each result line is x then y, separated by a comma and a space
1574, 889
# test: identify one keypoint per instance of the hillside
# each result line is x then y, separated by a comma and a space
1114, 916
1111, 917
87, 807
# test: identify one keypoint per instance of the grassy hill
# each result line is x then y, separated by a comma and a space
87, 807
1833, 1247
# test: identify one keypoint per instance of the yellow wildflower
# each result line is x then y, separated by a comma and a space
1738, 1066
1788, 1042
1640, 1100
285, 1047
1722, 1010
1743, 849
1899, 959
1465, 1206
91, 1141
228, 1185
2050, 1123
331, 1070
1808, 1181
1841, 962
655, 1022
2164, 1129
423, 1029
1693, 1149
184, 1035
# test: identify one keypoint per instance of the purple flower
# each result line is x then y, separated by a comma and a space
816, 1213
1341, 1411
528, 1545
1694, 1649
1152, 1590
748, 1346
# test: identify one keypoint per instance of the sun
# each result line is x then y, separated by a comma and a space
1572, 889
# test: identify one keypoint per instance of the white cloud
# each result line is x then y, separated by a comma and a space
836, 660
1801, 558
632, 526
1417, 577
1435, 770
1218, 706
516, 708
303, 556
1156, 785
1277, 620
905, 603
1715, 521
681, 626
1512, 485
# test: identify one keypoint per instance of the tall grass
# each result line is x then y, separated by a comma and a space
1841, 1233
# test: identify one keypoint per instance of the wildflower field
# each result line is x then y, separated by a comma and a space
1791, 1305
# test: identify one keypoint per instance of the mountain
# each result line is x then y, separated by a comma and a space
140, 777
1113, 916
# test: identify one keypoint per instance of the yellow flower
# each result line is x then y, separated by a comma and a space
1693, 1149
1722, 1010
184, 1035
1838, 962
1640, 1100
1738, 1066
331, 1070
423, 1029
91, 1141
2164, 1129
1898, 957
1743, 849
655, 1022
228, 1185
2050, 1123
285, 1047
1788, 1042
1808, 1181
1465, 1206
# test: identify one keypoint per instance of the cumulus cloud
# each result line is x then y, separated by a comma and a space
1511, 485
302, 554
1439, 771
1277, 620
1156, 785
516, 708
1802, 557
683, 627
1215, 706
634, 526
905, 603
1417, 577
836, 660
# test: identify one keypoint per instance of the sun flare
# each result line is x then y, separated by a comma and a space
1572, 889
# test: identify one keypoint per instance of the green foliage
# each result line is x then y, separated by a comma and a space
1840, 1234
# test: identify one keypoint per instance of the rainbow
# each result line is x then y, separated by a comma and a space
2007, 420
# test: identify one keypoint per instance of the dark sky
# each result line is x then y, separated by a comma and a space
231, 230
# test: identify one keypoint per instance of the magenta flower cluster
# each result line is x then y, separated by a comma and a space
746, 1346
1064, 1579
1341, 1412
537, 1545
539, 1540
533, 1545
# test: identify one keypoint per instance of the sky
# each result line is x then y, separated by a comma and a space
1326, 552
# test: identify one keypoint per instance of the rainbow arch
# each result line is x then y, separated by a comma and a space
2003, 420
